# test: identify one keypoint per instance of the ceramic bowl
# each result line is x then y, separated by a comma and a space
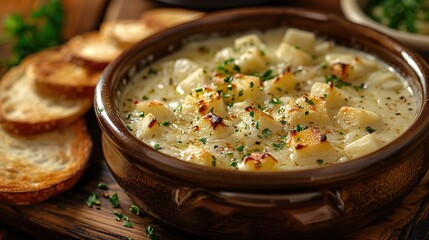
219, 204
352, 10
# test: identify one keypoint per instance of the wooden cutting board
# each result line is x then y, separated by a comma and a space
67, 216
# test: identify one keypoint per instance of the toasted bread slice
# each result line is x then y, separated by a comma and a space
162, 18
24, 110
56, 75
125, 33
92, 50
34, 168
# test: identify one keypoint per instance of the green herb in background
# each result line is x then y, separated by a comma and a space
40, 30
407, 15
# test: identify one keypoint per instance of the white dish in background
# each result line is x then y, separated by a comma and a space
352, 10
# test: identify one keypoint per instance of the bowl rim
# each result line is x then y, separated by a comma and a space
171, 168
352, 10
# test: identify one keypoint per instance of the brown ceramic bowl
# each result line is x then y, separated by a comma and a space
222, 204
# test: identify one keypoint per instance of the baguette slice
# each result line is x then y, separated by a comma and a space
125, 33
162, 18
34, 168
24, 110
56, 75
91, 50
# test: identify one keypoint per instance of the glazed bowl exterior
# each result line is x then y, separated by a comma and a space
219, 204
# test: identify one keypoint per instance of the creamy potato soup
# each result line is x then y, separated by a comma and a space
267, 101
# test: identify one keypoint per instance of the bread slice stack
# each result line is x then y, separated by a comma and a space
44, 143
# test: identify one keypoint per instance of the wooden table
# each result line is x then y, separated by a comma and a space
67, 216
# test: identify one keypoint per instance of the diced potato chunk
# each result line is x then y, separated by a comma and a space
158, 109
199, 156
384, 80
304, 40
264, 120
213, 126
197, 79
311, 147
148, 127
251, 61
362, 146
331, 94
308, 110
202, 101
292, 56
282, 84
356, 117
246, 87
250, 40
349, 67
258, 162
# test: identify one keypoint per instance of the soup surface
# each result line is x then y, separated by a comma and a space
267, 101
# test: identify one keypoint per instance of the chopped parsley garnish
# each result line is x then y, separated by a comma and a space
336, 81
114, 200
203, 140
283, 122
222, 66
266, 132
241, 93
324, 65
306, 113
240, 148
227, 79
166, 123
156, 146
237, 68
299, 128
127, 224
150, 231
119, 216
309, 101
278, 146
100, 109
319, 161
369, 129
198, 90
92, 200
145, 97
267, 75
252, 114
102, 186
275, 101
251, 84
358, 87
233, 164
257, 125
129, 128
135, 209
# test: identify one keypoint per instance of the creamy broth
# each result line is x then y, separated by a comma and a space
267, 101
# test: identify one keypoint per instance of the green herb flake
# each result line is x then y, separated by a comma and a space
166, 123
240, 148
309, 101
299, 128
319, 161
233, 164
127, 224
156, 146
145, 97
306, 113
198, 90
102, 186
241, 93
278, 146
129, 128
118, 216
275, 101
152, 71
135, 209
203, 140
150, 231
252, 114
257, 125
114, 200
369, 129
336, 81
266, 132
92, 200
